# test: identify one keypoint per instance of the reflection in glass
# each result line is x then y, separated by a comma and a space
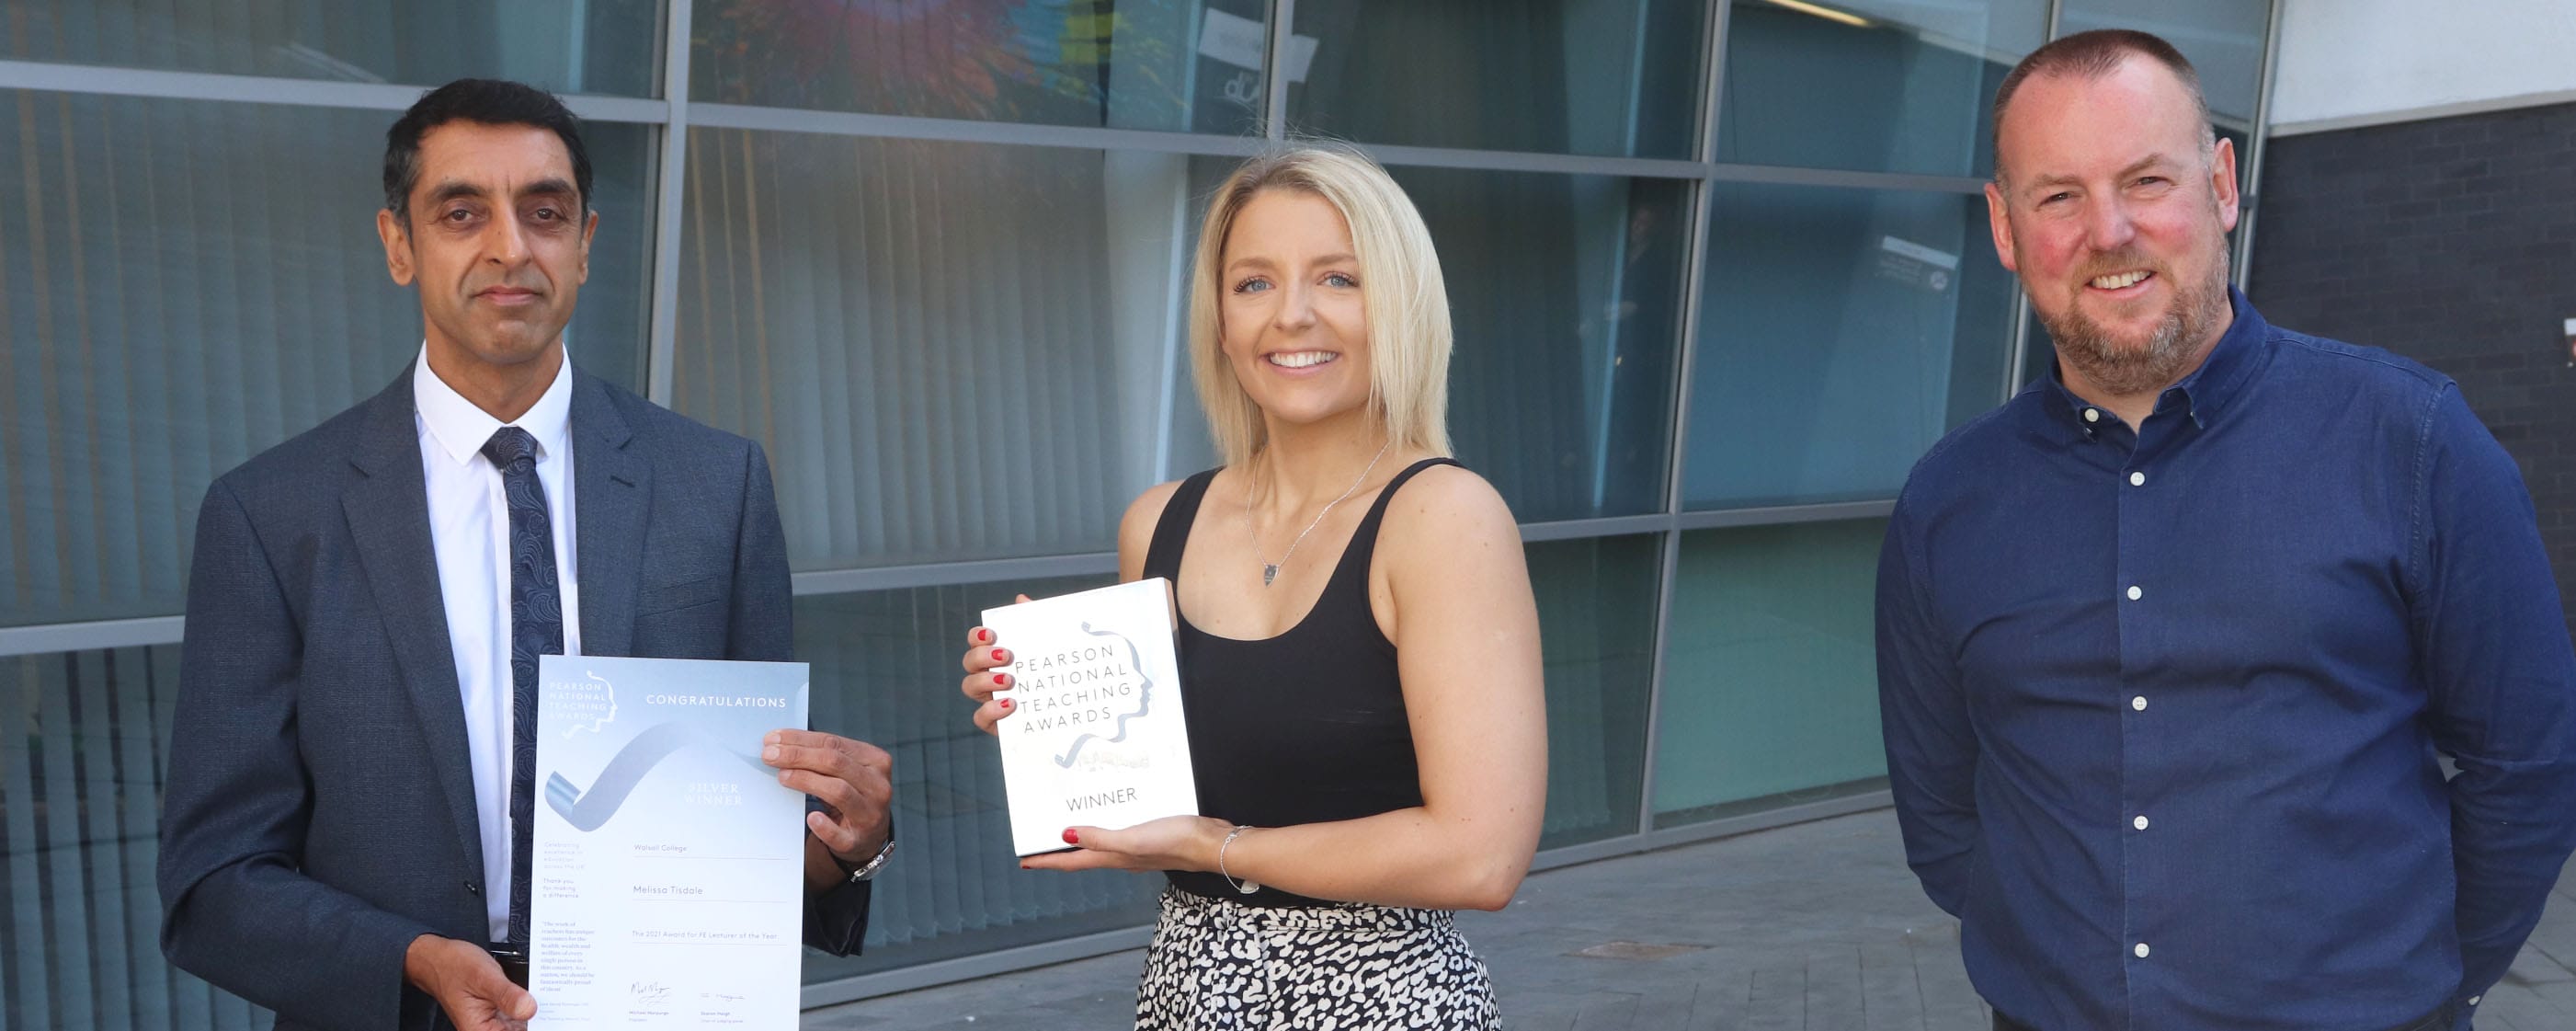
1770, 679
1565, 293
567, 46
83, 749
1870, 85
885, 672
1596, 609
1844, 331
2223, 38
1565, 298
1170, 65
190, 283
952, 351
1613, 77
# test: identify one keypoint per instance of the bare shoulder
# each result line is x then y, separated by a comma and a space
1147, 510
1136, 528
1446, 512
1450, 545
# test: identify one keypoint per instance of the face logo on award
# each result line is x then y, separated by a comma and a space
1292, 321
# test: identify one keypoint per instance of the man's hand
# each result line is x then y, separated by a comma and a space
853, 781
468, 984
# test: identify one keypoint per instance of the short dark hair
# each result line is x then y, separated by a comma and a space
489, 102
2092, 55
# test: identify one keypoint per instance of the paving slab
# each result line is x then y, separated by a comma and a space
1815, 927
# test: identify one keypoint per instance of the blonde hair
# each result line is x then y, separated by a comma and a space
1402, 294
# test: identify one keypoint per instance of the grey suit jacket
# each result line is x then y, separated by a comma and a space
319, 813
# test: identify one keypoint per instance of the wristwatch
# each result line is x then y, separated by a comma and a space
869, 869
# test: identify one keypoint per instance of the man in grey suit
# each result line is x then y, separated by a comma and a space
343, 833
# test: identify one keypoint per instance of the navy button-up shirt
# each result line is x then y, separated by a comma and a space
2162, 709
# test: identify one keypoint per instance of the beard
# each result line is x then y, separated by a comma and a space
2128, 368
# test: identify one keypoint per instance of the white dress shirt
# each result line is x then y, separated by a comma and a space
469, 526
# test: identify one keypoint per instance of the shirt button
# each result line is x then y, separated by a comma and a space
2135, 593
2139, 703
2092, 415
2142, 950
2139, 823
2137, 479
2473, 1000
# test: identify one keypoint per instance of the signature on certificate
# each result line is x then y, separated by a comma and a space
649, 991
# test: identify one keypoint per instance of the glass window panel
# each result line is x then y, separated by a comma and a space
2225, 40
1870, 85
1616, 77
1565, 300
184, 284
1844, 331
1596, 613
83, 750
2038, 353
952, 351
1770, 678
1170, 65
1565, 296
569, 46
885, 672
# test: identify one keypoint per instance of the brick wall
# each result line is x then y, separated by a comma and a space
2452, 242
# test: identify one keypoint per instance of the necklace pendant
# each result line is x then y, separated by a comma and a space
1268, 573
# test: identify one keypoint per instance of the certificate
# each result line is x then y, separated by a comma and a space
667, 884
1096, 735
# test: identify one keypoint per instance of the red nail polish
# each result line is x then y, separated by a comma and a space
1001, 680
982, 635
997, 655
1070, 838
1006, 705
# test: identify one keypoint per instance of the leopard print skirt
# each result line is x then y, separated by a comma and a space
1219, 965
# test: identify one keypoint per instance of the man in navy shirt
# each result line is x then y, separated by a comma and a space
2170, 644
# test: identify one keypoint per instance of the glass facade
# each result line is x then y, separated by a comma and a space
1773, 695
1719, 271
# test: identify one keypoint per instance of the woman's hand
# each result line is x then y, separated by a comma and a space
984, 657
1170, 843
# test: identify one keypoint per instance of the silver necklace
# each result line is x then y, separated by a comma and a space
1270, 570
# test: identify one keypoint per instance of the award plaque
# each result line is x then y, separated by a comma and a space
1095, 736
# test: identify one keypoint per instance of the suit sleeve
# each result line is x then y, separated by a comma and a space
1923, 713
236, 908
762, 629
2493, 643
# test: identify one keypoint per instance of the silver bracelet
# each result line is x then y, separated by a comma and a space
1241, 887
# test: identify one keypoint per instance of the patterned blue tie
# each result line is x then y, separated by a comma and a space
536, 628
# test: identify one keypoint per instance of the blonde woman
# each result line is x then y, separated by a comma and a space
1356, 632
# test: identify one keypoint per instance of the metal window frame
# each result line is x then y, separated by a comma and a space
676, 112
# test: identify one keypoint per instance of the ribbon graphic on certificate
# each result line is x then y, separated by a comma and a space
588, 810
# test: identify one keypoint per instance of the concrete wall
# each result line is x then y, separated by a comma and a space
2349, 62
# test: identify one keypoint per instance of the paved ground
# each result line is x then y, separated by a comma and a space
1817, 927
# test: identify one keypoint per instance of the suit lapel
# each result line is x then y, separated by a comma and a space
610, 487
388, 514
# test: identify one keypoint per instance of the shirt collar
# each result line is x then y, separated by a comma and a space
461, 428
2219, 381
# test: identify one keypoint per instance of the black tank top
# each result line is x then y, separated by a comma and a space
1305, 727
